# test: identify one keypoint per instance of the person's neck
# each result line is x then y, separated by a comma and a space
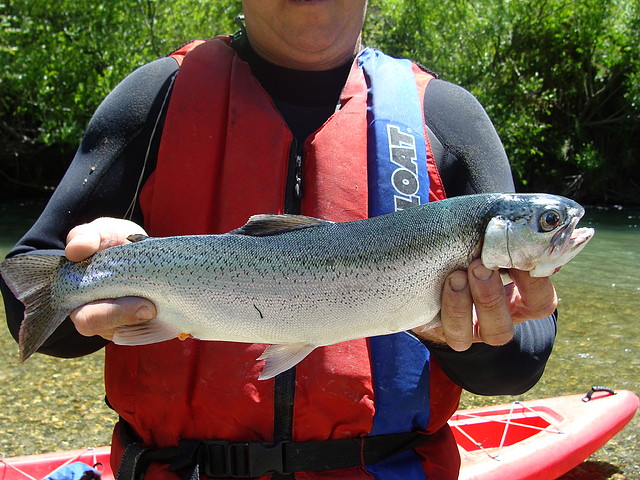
297, 87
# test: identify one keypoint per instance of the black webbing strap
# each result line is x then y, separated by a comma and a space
350, 452
223, 459
132, 464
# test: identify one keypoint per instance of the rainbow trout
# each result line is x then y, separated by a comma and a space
298, 283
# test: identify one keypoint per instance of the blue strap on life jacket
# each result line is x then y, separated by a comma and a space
398, 179
397, 152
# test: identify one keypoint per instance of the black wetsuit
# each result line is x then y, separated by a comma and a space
120, 147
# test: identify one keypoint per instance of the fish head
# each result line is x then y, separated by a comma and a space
534, 232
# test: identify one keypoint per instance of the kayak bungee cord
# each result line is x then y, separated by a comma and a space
551, 426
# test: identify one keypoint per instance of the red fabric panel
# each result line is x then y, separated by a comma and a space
213, 183
440, 457
335, 169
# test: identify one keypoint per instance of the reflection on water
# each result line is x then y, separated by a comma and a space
51, 404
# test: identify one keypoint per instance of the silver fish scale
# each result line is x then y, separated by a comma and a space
318, 285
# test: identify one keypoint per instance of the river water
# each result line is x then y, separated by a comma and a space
50, 404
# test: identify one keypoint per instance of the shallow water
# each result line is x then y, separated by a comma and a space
52, 404
47, 403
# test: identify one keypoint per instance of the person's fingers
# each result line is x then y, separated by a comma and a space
89, 238
476, 307
495, 325
533, 297
104, 316
82, 242
456, 312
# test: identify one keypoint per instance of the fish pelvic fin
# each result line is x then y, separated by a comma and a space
154, 331
267, 224
280, 358
31, 278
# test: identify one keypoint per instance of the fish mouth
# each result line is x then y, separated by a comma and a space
568, 237
576, 241
566, 244
574, 245
579, 237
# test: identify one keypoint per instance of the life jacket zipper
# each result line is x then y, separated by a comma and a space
295, 187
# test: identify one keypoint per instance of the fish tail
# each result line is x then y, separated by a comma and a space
31, 279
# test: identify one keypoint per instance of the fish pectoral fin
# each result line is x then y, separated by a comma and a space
263, 225
505, 276
145, 333
280, 358
436, 321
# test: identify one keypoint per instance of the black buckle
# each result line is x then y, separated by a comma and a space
216, 458
222, 459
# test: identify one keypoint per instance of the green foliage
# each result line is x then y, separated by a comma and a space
58, 59
559, 78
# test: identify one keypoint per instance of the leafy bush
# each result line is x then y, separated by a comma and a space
58, 59
560, 80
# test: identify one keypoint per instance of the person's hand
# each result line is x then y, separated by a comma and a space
476, 307
104, 316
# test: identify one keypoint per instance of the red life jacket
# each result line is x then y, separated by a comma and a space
223, 157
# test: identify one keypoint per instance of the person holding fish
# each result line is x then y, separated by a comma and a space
291, 115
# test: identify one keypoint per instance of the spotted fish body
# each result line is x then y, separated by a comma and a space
295, 282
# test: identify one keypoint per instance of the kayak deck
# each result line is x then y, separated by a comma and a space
538, 439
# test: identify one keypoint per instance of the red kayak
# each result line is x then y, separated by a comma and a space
35, 467
537, 439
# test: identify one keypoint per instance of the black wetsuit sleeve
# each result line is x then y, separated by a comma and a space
117, 153
468, 152
471, 159
510, 369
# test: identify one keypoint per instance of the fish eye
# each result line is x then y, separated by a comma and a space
549, 220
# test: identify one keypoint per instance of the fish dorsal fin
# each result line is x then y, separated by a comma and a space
269, 224
137, 237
